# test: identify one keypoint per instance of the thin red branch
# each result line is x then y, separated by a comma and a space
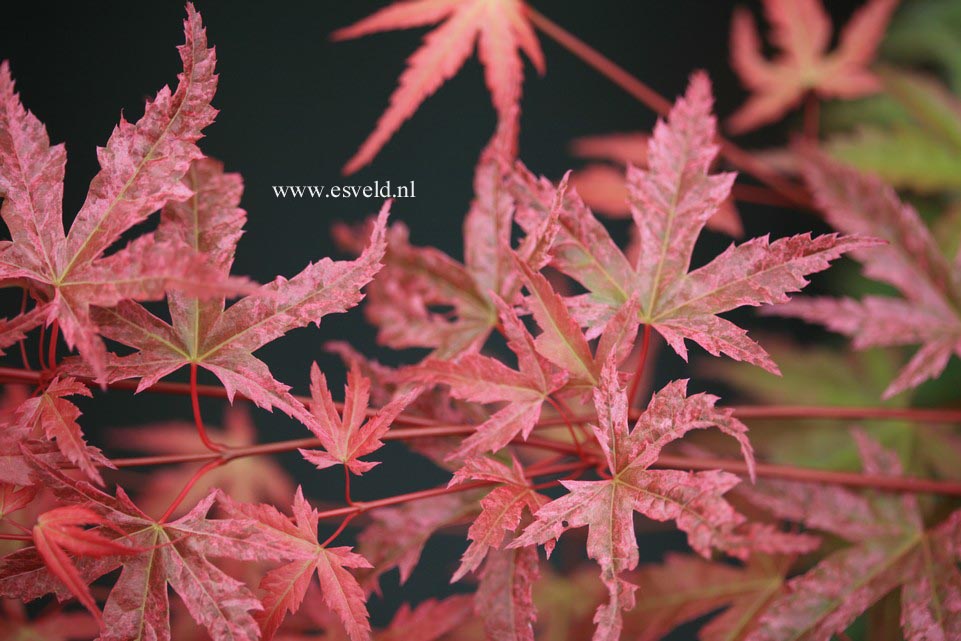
738, 157
198, 417
189, 486
54, 335
15, 537
22, 341
639, 372
744, 412
343, 525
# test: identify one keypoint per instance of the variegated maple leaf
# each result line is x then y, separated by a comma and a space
416, 281
499, 27
348, 435
174, 554
671, 201
285, 587
483, 379
694, 500
45, 426
204, 333
52, 415
603, 185
801, 30
930, 310
140, 171
891, 549
501, 509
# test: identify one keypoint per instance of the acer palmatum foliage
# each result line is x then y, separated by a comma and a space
499, 29
537, 430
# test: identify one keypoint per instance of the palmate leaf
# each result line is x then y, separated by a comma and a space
671, 201
222, 340
347, 436
52, 415
501, 509
285, 587
911, 262
140, 171
501, 31
694, 500
154, 556
801, 30
891, 549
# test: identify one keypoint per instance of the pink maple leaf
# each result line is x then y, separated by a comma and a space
911, 261
140, 171
499, 27
222, 340
671, 201
347, 436
694, 500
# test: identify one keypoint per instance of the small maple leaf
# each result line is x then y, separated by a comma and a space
499, 27
140, 170
891, 549
174, 554
285, 587
501, 509
56, 418
204, 333
671, 202
930, 310
603, 185
347, 437
801, 29
694, 500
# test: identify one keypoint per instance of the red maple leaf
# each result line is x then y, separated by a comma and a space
416, 282
603, 185
892, 549
141, 170
52, 415
801, 30
285, 587
501, 31
347, 436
